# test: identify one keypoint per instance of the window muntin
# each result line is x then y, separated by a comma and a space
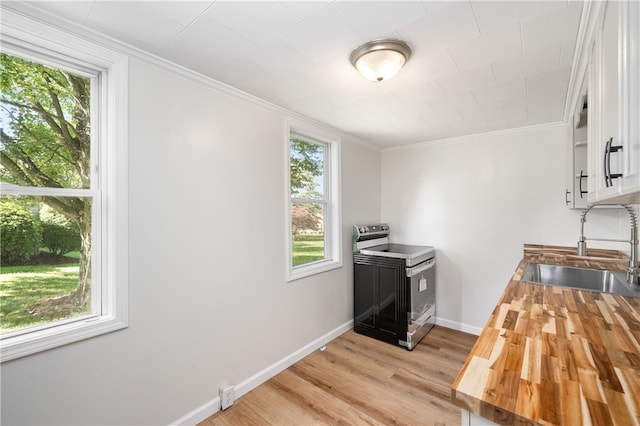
313, 202
106, 190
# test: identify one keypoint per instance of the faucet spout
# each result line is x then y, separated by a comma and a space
633, 272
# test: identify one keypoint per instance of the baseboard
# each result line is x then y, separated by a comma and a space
211, 407
199, 414
458, 326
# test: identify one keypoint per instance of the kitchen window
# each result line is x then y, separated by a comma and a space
313, 201
63, 188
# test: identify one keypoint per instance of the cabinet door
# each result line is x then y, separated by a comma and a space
593, 130
577, 189
609, 74
630, 98
608, 163
614, 145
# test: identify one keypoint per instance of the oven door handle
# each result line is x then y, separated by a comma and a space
421, 268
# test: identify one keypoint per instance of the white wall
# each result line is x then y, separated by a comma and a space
209, 303
478, 200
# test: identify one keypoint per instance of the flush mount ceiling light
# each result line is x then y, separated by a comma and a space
380, 59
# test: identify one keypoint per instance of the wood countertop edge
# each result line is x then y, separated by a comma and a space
476, 372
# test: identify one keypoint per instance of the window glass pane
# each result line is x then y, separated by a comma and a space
307, 225
46, 129
307, 168
46, 260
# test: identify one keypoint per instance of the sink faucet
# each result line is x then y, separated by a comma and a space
633, 272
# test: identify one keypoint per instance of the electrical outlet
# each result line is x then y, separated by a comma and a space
226, 397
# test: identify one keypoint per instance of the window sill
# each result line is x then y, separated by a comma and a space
313, 269
12, 347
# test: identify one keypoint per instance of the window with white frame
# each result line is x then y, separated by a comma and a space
313, 202
62, 189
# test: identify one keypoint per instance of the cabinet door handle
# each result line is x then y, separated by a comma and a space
613, 148
582, 176
566, 197
606, 165
608, 149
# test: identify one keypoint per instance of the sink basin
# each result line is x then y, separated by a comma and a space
581, 278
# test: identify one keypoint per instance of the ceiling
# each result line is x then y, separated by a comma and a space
477, 66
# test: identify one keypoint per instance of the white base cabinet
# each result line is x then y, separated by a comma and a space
470, 419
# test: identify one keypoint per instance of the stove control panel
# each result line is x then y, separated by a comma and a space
363, 231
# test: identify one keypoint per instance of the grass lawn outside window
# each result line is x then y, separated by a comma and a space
25, 289
307, 248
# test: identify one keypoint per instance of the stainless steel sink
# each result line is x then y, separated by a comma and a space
582, 278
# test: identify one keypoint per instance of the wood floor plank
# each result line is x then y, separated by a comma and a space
360, 381
242, 414
274, 408
323, 403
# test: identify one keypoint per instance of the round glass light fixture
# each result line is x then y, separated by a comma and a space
380, 59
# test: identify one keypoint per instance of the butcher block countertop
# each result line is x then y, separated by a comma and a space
556, 356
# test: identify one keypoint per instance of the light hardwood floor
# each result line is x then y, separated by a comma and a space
359, 381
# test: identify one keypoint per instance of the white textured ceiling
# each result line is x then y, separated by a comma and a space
477, 66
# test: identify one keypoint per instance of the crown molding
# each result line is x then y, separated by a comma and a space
492, 134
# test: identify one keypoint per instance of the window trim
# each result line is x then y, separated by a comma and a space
112, 266
333, 225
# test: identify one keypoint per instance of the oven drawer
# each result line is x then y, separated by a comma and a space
420, 327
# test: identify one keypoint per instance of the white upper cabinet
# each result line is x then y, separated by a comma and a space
577, 189
614, 116
630, 129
